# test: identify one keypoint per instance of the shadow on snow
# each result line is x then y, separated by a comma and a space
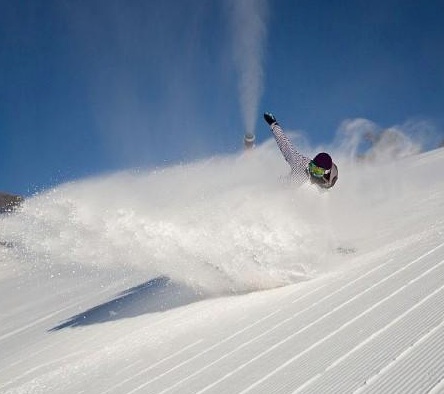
157, 295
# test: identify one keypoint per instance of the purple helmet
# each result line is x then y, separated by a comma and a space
323, 160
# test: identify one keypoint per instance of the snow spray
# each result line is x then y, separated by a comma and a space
215, 226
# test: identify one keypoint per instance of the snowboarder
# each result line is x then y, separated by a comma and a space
320, 171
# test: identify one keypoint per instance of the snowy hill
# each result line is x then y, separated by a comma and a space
217, 277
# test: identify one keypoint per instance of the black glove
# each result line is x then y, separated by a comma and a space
269, 118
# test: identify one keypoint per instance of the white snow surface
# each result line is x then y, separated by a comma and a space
218, 277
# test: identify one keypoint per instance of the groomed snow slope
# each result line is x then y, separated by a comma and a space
214, 277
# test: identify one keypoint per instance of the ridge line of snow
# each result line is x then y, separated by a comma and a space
390, 365
439, 388
289, 361
203, 352
276, 326
234, 350
29, 371
307, 327
239, 347
348, 283
379, 332
154, 365
46, 317
34, 323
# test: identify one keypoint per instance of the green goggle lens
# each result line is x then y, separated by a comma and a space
316, 171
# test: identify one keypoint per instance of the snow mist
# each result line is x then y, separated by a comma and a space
224, 225
248, 19
220, 226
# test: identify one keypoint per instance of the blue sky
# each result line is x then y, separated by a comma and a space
89, 87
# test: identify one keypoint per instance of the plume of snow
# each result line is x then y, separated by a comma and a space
248, 19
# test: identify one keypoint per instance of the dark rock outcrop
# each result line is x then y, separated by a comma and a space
8, 202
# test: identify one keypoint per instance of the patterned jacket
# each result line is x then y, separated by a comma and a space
299, 163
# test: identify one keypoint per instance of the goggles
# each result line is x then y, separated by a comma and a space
317, 172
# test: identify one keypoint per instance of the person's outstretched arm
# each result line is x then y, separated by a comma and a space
297, 161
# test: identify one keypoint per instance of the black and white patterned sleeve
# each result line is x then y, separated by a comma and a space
296, 160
